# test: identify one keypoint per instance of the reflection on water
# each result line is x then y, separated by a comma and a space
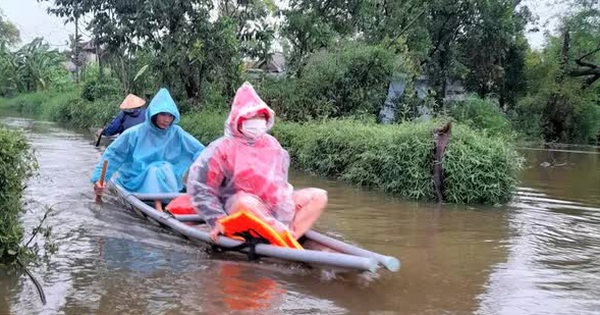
536, 255
9, 280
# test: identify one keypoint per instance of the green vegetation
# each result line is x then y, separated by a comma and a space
348, 80
482, 114
65, 107
398, 158
562, 100
16, 165
206, 126
31, 68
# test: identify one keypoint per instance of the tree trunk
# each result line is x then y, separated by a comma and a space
190, 81
564, 56
76, 46
441, 81
124, 75
441, 138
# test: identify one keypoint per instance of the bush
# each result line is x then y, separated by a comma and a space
560, 113
588, 123
481, 114
286, 99
29, 103
526, 118
398, 159
480, 169
60, 79
16, 165
206, 126
349, 80
100, 87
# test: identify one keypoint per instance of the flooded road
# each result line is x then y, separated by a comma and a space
537, 255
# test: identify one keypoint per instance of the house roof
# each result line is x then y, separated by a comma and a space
88, 46
275, 64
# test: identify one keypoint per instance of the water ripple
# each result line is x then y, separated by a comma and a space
553, 265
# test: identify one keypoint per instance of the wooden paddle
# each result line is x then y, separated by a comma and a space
104, 166
100, 135
99, 138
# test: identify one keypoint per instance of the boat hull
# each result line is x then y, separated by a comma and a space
320, 250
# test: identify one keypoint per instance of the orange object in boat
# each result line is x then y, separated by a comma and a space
244, 221
181, 205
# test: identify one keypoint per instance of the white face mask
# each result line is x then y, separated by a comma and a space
254, 128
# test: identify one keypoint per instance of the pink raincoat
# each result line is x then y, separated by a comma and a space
237, 164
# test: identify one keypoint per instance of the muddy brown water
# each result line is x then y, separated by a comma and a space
537, 255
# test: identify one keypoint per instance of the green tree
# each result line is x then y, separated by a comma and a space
563, 79
311, 25
254, 32
9, 33
479, 41
36, 66
8, 84
581, 42
493, 49
190, 48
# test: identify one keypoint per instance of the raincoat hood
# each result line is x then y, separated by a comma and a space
162, 103
246, 104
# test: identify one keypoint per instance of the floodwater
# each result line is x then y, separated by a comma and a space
537, 255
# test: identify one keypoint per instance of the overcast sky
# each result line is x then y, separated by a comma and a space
33, 21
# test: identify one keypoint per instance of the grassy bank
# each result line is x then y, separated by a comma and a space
16, 164
64, 107
479, 167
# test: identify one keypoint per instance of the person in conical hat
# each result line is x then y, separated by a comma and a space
131, 114
153, 156
247, 168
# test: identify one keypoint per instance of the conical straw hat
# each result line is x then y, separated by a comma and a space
131, 102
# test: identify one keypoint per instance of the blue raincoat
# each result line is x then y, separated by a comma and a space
149, 159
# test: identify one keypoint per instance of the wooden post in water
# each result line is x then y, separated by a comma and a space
104, 166
441, 137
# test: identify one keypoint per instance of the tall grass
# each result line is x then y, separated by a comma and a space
399, 159
65, 107
206, 126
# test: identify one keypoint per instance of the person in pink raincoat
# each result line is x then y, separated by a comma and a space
248, 168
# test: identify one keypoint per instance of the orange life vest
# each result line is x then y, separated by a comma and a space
244, 221
181, 205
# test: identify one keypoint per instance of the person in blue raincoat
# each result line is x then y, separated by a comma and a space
153, 156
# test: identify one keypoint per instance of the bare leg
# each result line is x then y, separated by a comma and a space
158, 205
310, 203
252, 204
